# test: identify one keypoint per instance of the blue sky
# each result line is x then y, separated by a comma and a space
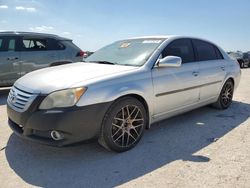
95, 23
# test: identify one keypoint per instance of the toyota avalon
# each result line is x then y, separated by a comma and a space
120, 90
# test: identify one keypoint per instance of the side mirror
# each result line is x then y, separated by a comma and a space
170, 61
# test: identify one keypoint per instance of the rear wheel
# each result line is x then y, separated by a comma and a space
123, 125
226, 96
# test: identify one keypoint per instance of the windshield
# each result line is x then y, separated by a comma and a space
134, 52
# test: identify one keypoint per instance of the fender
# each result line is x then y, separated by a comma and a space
236, 80
112, 91
235, 76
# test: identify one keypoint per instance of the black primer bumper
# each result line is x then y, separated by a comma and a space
75, 123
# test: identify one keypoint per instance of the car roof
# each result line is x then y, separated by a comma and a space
32, 34
154, 37
171, 37
167, 37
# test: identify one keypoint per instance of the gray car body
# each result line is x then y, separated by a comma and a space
166, 91
18, 62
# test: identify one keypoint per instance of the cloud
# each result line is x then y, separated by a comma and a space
66, 33
4, 6
20, 8
28, 9
42, 28
31, 9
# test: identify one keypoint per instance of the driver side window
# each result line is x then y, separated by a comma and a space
182, 48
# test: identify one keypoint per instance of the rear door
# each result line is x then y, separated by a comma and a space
68, 51
9, 61
58, 51
35, 54
176, 88
212, 69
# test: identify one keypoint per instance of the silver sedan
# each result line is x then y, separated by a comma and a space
120, 90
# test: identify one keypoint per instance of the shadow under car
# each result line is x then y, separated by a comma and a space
89, 165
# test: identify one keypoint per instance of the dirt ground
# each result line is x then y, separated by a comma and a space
202, 148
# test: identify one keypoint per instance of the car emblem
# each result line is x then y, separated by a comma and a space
13, 98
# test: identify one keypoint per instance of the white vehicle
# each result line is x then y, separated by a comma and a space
121, 90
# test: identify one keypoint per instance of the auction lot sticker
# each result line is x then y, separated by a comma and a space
125, 45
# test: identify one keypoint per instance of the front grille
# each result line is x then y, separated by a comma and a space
20, 100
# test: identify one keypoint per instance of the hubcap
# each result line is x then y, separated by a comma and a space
127, 126
227, 94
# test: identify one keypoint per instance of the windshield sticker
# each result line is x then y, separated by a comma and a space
151, 41
125, 45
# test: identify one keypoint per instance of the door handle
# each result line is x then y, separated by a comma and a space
195, 73
222, 68
12, 58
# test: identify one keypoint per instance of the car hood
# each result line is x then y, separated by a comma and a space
65, 76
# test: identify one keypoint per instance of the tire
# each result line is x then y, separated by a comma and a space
226, 96
123, 125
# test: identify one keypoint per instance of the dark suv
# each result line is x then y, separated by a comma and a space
242, 58
23, 52
246, 59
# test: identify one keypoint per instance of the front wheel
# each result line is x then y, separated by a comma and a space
123, 125
226, 96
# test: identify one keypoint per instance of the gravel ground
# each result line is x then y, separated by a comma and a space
202, 148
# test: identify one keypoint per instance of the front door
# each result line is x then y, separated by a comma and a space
176, 88
9, 61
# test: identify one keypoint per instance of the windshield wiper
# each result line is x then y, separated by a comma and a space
102, 62
129, 65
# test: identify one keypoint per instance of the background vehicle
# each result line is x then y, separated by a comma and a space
246, 58
23, 52
120, 90
87, 54
239, 57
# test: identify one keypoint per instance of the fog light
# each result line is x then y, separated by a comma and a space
56, 135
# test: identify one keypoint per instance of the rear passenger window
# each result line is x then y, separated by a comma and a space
205, 51
181, 48
60, 46
34, 44
55, 45
218, 53
28, 44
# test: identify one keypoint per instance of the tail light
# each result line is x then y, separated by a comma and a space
80, 54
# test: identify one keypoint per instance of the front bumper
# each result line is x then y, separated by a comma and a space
75, 124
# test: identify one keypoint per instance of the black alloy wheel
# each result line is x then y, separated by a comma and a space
226, 96
123, 125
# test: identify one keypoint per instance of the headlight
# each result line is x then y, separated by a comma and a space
63, 98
